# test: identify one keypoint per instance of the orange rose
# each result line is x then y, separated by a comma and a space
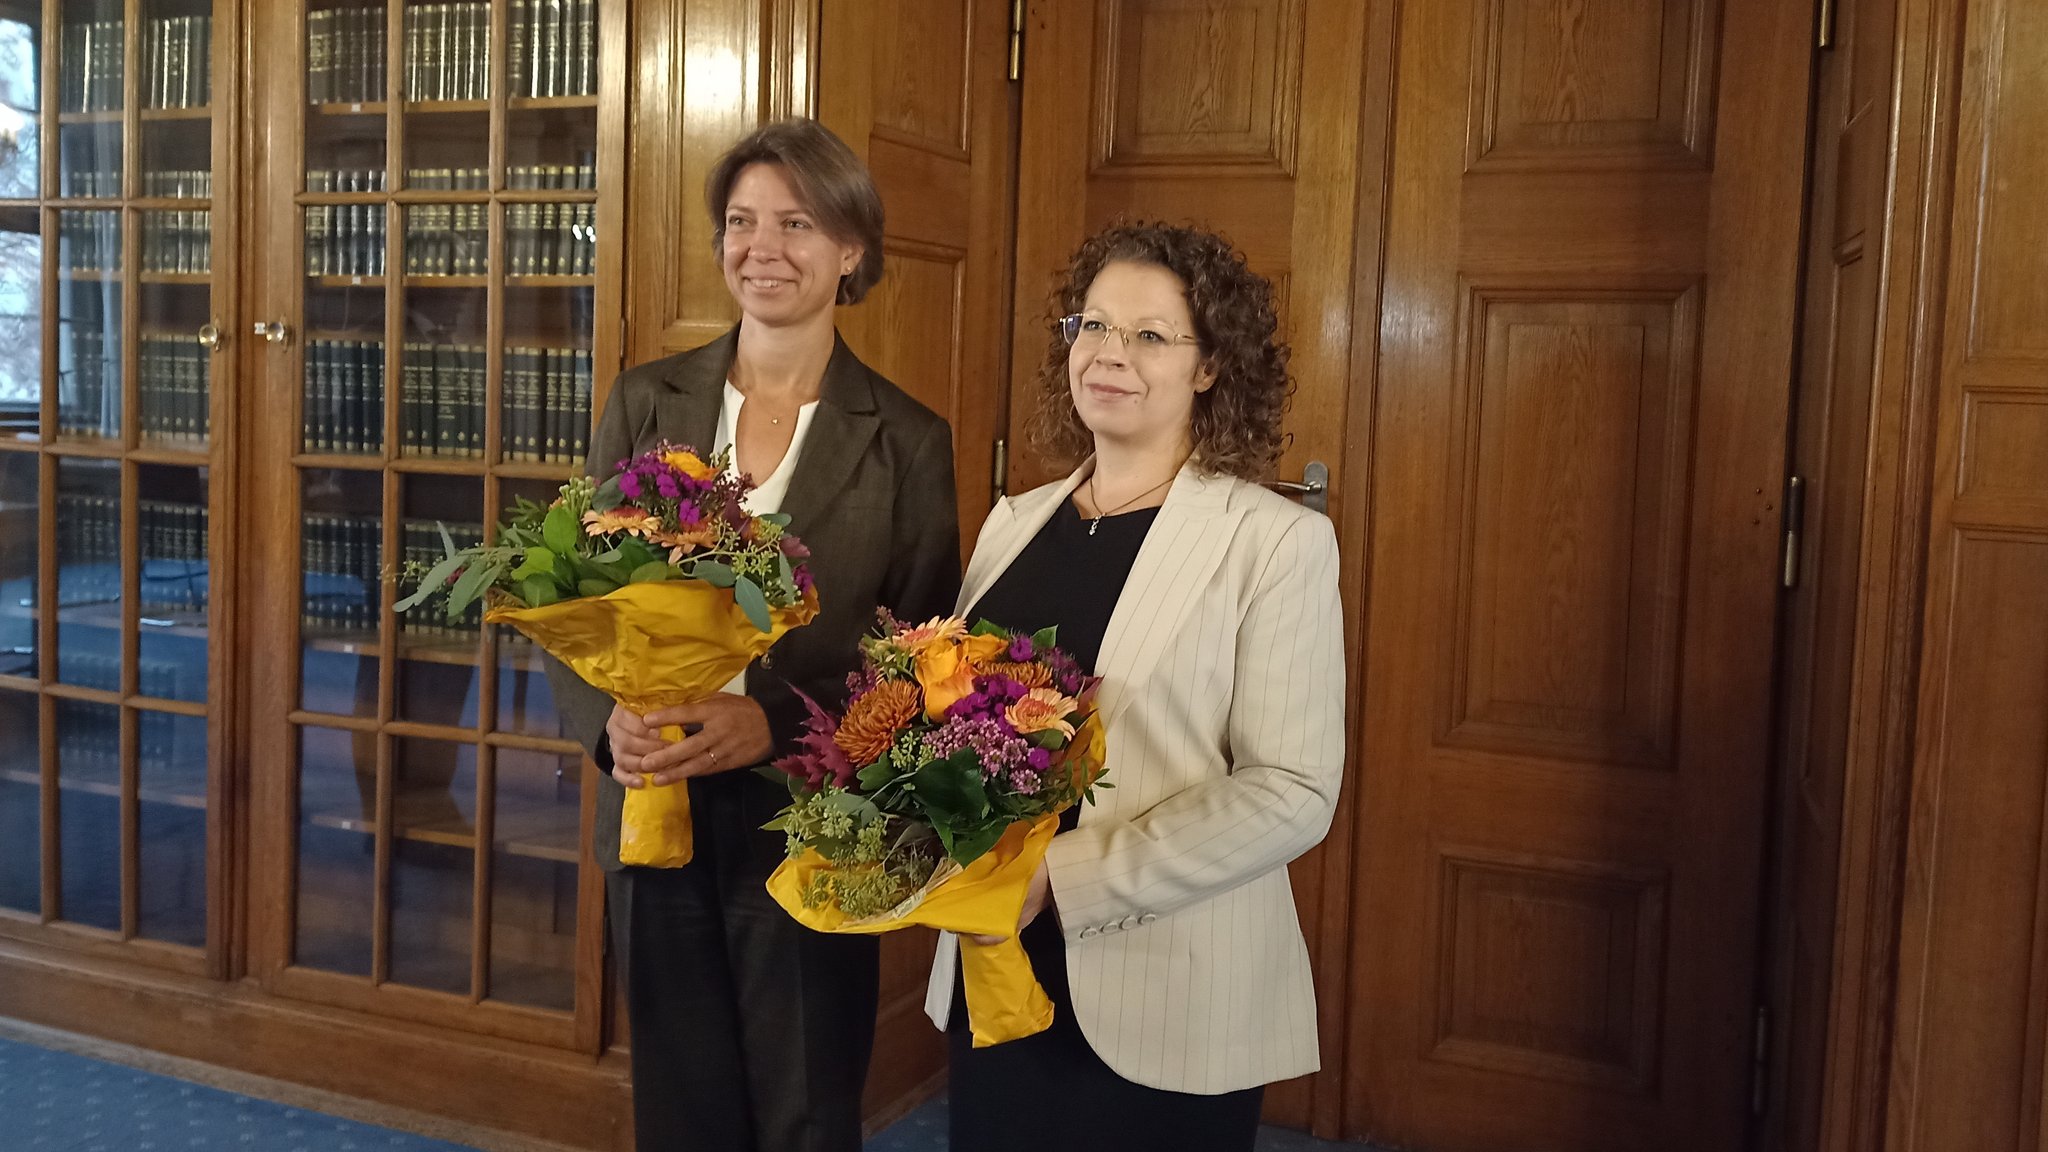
945, 675
981, 651
689, 464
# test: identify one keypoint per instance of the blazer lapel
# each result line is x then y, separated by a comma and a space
840, 431
1182, 551
687, 413
1027, 514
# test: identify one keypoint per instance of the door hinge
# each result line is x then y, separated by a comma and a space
1795, 524
999, 470
1760, 1062
1016, 39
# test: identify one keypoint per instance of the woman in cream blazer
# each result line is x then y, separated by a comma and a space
1222, 692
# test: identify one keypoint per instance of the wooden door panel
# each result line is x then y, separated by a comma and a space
1580, 423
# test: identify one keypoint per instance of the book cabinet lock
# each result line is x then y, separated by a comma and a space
209, 336
276, 333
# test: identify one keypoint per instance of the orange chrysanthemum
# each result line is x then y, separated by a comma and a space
681, 544
625, 518
873, 720
1029, 675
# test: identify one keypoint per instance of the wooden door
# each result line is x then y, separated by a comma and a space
1592, 239
921, 89
1250, 117
1831, 444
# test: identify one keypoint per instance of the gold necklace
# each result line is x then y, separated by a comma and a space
1101, 512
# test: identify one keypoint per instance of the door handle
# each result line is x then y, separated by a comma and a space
1313, 487
209, 336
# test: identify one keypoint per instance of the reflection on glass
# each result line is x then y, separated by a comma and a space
526, 702
19, 540
177, 54
337, 850
89, 573
341, 557
21, 809
176, 375
433, 812
437, 675
21, 322
89, 324
89, 161
89, 813
93, 64
545, 394
551, 148
21, 70
342, 410
534, 845
172, 523
550, 239
172, 828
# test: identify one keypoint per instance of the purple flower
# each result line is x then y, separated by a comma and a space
688, 515
999, 749
629, 485
803, 579
1022, 649
794, 548
665, 483
1039, 759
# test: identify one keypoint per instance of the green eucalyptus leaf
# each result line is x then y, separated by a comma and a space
560, 529
714, 572
537, 562
539, 591
472, 585
596, 586
747, 595
435, 579
447, 542
650, 572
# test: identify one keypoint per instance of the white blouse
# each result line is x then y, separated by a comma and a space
768, 490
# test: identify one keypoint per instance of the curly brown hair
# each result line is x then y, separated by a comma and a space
1236, 422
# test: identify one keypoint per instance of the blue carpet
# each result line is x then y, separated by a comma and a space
58, 1102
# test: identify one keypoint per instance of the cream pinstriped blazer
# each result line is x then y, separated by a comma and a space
1223, 693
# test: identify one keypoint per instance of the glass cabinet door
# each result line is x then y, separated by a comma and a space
445, 218
111, 389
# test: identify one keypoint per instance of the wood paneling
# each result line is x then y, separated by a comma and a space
1198, 84
1582, 394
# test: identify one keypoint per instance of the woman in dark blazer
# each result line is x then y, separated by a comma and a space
748, 1031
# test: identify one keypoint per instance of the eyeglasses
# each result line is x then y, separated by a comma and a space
1146, 338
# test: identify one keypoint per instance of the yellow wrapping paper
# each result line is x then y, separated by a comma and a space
1004, 999
649, 646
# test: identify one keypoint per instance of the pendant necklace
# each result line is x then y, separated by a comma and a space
1101, 512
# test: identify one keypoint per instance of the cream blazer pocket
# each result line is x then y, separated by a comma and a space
1223, 698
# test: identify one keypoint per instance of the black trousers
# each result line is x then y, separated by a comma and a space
1051, 1091
750, 1033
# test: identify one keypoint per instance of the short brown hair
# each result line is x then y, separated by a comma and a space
1236, 422
830, 180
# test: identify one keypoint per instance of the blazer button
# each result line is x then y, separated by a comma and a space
1130, 921
768, 660
1148, 917
1090, 933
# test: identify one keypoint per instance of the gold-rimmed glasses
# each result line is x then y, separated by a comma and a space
1145, 338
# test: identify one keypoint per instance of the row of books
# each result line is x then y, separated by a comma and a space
441, 400
344, 396
92, 68
448, 51
172, 755
341, 557
345, 49
89, 383
582, 174
420, 541
476, 179
447, 239
104, 183
176, 388
552, 46
551, 239
89, 241
345, 240
545, 410
177, 242
173, 556
344, 180
177, 55
88, 549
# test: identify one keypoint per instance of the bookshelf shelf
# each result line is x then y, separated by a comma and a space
543, 103
340, 460
90, 275
533, 470
186, 279
418, 281
440, 650
551, 281
101, 782
536, 832
347, 281
172, 203
548, 196
351, 108
446, 107
440, 465
197, 112
178, 453
113, 117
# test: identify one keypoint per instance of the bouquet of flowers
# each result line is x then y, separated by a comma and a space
931, 798
656, 586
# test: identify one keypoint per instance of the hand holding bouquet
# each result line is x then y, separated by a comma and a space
931, 799
655, 586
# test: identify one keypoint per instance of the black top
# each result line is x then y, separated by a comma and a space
1068, 579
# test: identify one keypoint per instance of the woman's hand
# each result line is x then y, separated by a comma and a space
1036, 896
731, 732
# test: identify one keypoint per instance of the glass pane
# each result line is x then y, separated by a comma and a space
172, 522
90, 71
434, 815
21, 321
546, 389
177, 159
177, 54
345, 247
437, 672
89, 324
343, 374
442, 386
89, 573
19, 541
551, 148
21, 72
447, 51
176, 369
346, 85
550, 240
89, 156
341, 554
534, 847
552, 48
21, 809
172, 828
337, 849
89, 812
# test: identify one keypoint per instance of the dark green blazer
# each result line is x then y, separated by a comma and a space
872, 497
